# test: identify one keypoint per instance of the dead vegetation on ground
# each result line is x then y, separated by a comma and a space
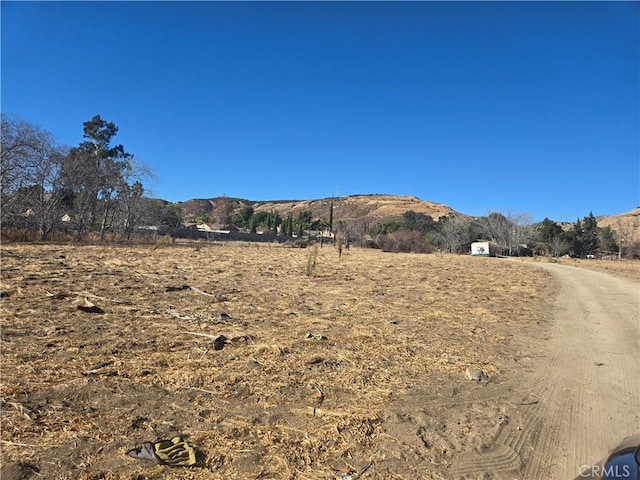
270, 367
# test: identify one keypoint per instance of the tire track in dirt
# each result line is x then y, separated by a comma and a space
502, 458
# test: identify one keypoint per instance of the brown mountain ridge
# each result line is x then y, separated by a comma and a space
375, 208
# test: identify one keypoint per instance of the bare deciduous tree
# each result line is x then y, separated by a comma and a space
451, 234
558, 246
508, 232
30, 182
624, 229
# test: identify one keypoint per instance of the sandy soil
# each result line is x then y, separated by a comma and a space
385, 386
588, 385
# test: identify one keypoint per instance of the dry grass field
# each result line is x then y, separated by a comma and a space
628, 269
105, 347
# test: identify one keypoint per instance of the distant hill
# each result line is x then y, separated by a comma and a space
627, 225
368, 208
378, 208
373, 208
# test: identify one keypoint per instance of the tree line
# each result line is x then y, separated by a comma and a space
96, 189
513, 234
47, 188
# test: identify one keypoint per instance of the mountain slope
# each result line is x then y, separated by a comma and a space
627, 224
371, 209
376, 208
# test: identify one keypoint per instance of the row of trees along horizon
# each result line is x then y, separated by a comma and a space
96, 190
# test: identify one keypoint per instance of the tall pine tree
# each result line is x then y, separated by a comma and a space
331, 216
589, 234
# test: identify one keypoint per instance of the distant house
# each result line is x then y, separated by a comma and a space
485, 248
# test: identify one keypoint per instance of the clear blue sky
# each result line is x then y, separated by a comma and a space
528, 107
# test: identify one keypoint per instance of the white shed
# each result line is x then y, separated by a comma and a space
484, 248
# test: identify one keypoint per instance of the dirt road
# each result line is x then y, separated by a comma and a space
569, 398
588, 386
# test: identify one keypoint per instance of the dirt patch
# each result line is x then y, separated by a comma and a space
381, 379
